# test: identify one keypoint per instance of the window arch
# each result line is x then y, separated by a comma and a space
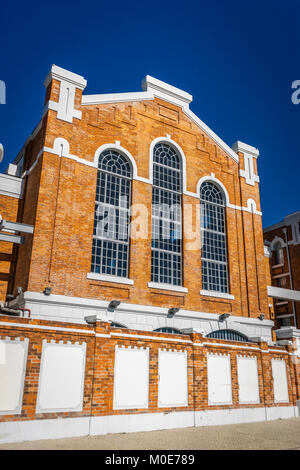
230, 335
213, 237
168, 329
278, 253
110, 253
115, 324
166, 243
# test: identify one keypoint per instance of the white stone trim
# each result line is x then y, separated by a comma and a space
249, 153
108, 278
166, 91
74, 309
10, 186
170, 287
60, 74
153, 87
167, 139
61, 148
119, 148
279, 292
116, 98
220, 295
69, 82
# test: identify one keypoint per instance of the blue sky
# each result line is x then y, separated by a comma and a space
237, 59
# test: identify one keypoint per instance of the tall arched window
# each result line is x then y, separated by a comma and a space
213, 238
111, 238
166, 263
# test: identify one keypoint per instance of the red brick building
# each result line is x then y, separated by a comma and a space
146, 268
283, 242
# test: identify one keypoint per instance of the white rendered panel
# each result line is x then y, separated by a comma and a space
61, 381
281, 392
219, 380
131, 378
172, 385
13, 358
248, 379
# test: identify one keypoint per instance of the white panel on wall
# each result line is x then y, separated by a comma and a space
61, 381
219, 379
281, 392
131, 378
248, 379
13, 359
172, 384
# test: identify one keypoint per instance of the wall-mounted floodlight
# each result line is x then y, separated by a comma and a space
113, 304
261, 317
223, 317
172, 312
19, 290
47, 290
91, 319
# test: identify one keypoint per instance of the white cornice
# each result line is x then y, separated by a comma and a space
61, 74
239, 146
10, 186
280, 293
160, 88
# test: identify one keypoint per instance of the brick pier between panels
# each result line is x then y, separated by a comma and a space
63, 379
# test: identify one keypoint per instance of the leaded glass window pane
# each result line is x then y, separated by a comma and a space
110, 253
213, 236
166, 257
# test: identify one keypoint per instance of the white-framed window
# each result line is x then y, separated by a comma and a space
166, 243
214, 240
110, 253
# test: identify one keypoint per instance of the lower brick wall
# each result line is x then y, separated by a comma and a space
81, 360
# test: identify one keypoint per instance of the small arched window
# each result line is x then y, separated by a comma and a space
278, 253
230, 335
167, 329
115, 324
166, 243
213, 238
111, 223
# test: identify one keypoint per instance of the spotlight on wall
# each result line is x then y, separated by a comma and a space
47, 290
19, 290
223, 317
261, 317
172, 312
113, 304
91, 319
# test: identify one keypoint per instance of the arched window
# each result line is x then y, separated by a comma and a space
167, 329
115, 324
213, 238
278, 253
230, 335
111, 238
166, 262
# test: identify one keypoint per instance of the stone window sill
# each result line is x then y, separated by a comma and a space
219, 295
107, 278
